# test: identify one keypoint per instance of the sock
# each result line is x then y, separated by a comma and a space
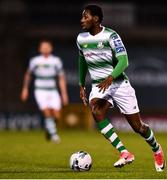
50, 126
150, 139
107, 130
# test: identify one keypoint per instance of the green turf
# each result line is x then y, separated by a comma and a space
28, 155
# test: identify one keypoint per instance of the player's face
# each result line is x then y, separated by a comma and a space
45, 48
86, 20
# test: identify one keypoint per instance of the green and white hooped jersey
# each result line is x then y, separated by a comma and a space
45, 71
100, 52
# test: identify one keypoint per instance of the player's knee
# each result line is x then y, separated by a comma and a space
47, 113
56, 114
98, 114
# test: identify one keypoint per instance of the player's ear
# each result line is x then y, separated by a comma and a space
96, 18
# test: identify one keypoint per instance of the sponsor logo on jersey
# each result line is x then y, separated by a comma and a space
95, 54
115, 36
120, 49
100, 45
118, 44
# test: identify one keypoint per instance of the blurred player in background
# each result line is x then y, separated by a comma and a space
46, 67
102, 52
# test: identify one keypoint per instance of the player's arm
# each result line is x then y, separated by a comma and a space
63, 88
62, 82
121, 66
83, 68
120, 53
26, 83
122, 58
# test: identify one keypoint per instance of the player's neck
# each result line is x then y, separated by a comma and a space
95, 30
46, 55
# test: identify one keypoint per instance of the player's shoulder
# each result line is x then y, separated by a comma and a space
113, 34
35, 59
55, 59
109, 31
81, 36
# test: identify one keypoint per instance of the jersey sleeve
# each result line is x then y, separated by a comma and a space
80, 50
117, 45
83, 68
120, 53
31, 65
59, 67
82, 65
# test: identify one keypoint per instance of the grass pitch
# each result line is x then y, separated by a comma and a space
29, 155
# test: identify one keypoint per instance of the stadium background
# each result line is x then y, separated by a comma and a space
143, 28
24, 152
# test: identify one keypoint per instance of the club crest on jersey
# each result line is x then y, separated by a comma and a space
100, 45
85, 45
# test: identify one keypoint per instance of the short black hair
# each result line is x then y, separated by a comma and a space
95, 10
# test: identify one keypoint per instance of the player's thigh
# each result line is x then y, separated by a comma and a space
41, 98
55, 101
125, 99
100, 98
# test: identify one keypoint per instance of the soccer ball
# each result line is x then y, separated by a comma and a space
80, 161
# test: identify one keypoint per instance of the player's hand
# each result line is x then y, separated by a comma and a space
105, 84
65, 99
24, 94
83, 95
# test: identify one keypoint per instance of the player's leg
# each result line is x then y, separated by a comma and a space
43, 99
55, 104
49, 124
56, 114
126, 100
57, 117
145, 131
99, 108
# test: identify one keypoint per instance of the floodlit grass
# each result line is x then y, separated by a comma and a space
29, 155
